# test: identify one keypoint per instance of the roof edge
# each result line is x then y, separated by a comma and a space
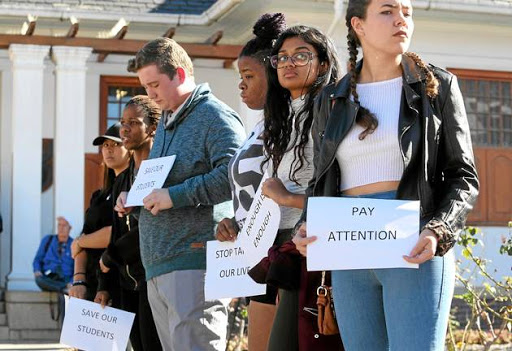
214, 13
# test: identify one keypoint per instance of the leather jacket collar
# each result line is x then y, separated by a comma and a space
412, 74
434, 140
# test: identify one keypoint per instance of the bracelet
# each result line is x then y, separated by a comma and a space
80, 282
79, 273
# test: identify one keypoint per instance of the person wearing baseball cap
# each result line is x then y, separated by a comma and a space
97, 229
112, 133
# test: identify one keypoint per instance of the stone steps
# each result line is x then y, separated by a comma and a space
18, 328
4, 333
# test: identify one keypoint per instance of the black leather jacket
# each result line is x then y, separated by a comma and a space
434, 136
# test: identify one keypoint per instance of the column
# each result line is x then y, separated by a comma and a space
27, 118
69, 148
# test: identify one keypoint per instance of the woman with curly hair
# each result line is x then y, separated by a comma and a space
303, 61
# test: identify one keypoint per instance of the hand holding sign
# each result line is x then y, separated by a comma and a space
227, 263
90, 327
157, 200
151, 175
121, 203
361, 233
301, 240
424, 249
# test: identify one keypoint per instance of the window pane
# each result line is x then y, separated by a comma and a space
111, 122
489, 108
116, 96
113, 110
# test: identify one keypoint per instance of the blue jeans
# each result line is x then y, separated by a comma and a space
395, 309
48, 284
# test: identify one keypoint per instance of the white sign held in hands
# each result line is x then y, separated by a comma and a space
227, 272
151, 175
361, 233
228, 263
88, 326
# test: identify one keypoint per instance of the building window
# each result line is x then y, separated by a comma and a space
489, 108
115, 92
488, 101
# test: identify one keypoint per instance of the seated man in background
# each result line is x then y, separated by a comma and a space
53, 265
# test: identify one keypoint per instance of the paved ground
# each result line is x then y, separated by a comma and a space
35, 346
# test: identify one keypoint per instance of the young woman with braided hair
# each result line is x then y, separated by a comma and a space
395, 128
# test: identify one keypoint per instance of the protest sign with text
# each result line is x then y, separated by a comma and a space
88, 326
151, 175
260, 227
361, 233
227, 272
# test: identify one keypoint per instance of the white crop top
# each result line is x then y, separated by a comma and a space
376, 158
289, 215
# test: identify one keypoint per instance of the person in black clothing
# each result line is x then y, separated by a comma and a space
88, 247
138, 125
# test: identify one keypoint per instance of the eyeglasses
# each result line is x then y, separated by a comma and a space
298, 59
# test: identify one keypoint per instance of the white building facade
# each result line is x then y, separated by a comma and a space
54, 92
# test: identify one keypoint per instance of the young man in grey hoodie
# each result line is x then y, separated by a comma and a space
177, 220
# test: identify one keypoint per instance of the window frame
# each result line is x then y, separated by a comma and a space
488, 159
105, 83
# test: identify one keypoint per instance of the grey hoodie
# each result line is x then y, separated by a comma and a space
204, 136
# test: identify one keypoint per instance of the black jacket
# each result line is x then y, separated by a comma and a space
97, 216
123, 251
435, 142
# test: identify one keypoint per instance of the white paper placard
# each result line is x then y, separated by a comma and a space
260, 227
361, 233
151, 175
227, 263
90, 327
226, 272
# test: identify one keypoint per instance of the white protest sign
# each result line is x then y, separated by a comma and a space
361, 233
260, 227
226, 272
227, 263
88, 326
151, 175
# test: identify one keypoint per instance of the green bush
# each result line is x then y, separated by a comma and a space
490, 319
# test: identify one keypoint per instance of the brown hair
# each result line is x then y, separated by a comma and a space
366, 119
109, 176
166, 54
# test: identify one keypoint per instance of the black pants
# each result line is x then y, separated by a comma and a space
143, 335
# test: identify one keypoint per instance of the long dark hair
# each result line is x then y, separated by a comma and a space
109, 177
278, 124
365, 118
